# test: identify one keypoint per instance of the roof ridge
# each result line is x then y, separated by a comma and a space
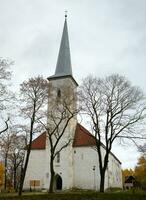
39, 136
86, 131
39, 142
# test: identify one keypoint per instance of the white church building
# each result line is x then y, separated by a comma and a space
77, 165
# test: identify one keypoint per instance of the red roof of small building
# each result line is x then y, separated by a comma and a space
83, 137
129, 179
39, 142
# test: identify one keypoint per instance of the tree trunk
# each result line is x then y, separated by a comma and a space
23, 173
102, 180
15, 181
21, 182
51, 188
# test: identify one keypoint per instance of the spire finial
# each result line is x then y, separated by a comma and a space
65, 14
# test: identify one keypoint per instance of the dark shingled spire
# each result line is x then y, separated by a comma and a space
63, 66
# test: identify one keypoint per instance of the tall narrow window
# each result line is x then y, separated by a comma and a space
58, 158
58, 93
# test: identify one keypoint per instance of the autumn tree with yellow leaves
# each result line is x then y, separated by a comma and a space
1, 174
140, 170
127, 172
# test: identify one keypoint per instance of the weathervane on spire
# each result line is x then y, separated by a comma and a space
65, 14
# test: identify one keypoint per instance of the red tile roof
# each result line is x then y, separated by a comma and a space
83, 137
39, 142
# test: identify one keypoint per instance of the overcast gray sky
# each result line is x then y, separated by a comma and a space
106, 36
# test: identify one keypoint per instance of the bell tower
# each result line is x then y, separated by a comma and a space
63, 87
63, 78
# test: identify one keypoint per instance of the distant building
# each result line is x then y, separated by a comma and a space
77, 165
129, 182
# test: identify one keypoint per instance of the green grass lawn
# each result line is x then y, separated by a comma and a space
81, 195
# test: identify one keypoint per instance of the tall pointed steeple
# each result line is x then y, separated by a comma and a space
63, 66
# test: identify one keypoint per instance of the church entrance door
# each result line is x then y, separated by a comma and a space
58, 182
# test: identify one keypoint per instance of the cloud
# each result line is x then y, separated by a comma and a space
105, 37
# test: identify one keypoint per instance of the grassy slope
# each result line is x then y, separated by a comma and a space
77, 196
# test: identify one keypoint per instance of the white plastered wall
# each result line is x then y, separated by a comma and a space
36, 169
85, 158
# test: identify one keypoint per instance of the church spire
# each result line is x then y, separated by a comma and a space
63, 66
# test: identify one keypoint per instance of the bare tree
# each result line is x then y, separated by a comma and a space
5, 76
5, 145
116, 109
34, 93
142, 149
61, 112
16, 157
12, 152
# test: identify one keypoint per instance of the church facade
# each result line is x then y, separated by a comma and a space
76, 166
